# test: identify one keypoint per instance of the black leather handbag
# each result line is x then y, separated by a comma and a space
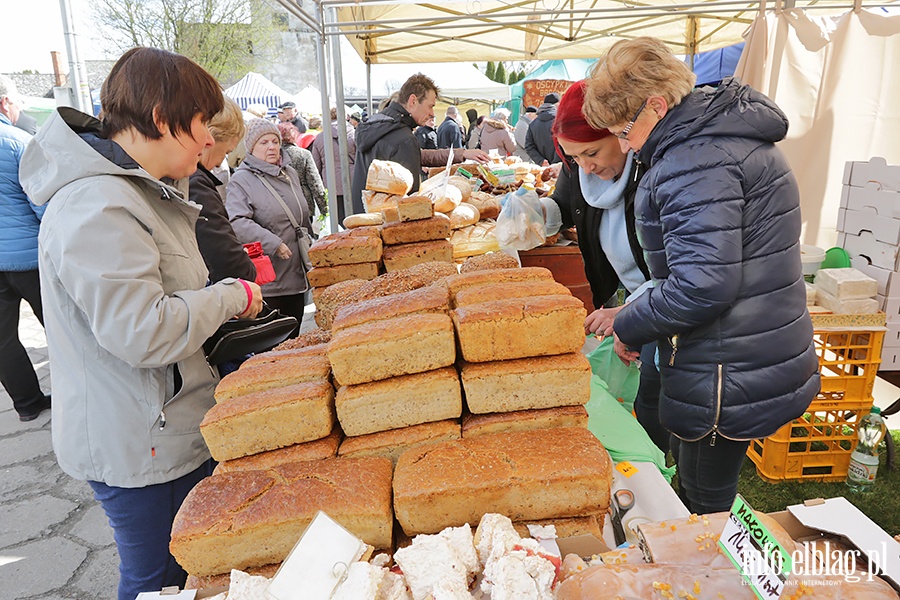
237, 338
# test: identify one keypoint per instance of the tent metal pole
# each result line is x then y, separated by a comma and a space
369, 86
301, 14
341, 118
330, 183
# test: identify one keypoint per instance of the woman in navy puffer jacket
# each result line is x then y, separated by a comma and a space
718, 216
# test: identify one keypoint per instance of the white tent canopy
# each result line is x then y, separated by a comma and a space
254, 88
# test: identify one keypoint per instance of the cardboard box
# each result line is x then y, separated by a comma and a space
874, 171
890, 359
888, 280
878, 253
883, 229
872, 196
891, 307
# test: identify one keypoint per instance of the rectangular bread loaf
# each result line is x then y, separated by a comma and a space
325, 276
375, 202
391, 444
567, 527
405, 256
431, 299
399, 402
269, 420
436, 227
520, 327
254, 518
414, 208
489, 276
526, 475
260, 377
522, 420
273, 356
399, 346
511, 289
326, 447
389, 177
527, 383
340, 249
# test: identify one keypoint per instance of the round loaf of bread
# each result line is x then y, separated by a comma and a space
488, 205
447, 201
363, 220
463, 216
463, 185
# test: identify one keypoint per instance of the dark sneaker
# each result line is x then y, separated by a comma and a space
44, 405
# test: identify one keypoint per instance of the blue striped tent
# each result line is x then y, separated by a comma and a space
254, 88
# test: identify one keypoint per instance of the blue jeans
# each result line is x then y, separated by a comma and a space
646, 404
708, 475
141, 519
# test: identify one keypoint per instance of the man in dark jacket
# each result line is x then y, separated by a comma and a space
539, 140
449, 134
427, 136
287, 113
389, 136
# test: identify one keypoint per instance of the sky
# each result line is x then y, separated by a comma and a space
31, 29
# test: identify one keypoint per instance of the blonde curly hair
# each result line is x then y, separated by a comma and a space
630, 72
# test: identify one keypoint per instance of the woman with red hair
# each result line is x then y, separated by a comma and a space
595, 193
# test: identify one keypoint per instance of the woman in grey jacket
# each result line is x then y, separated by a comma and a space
265, 204
126, 305
718, 216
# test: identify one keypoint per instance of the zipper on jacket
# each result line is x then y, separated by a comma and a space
719, 384
673, 341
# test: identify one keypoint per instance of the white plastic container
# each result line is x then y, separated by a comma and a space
811, 257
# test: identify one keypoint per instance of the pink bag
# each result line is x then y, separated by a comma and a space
265, 273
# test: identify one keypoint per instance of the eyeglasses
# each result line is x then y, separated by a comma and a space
623, 135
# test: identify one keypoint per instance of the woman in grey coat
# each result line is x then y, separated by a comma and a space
266, 204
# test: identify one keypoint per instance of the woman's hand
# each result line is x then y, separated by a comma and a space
600, 322
476, 155
626, 354
283, 252
256, 302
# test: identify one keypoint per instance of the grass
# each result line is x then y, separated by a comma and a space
881, 504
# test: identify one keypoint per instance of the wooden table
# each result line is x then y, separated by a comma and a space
567, 266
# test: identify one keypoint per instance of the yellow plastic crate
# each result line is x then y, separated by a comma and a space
848, 362
815, 447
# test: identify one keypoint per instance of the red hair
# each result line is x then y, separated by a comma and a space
570, 122
288, 132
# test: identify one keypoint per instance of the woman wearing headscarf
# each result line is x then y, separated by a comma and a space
718, 216
595, 192
265, 204
126, 303
497, 135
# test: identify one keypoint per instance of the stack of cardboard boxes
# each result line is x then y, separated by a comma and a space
869, 230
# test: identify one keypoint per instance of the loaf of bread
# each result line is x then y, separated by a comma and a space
521, 420
445, 196
488, 205
266, 376
430, 299
390, 213
527, 475
405, 256
467, 280
493, 260
313, 337
392, 443
269, 420
509, 289
474, 240
326, 447
566, 527
463, 216
206, 582
348, 247
436, 227
253, 518
399, 346
405, 280
329, 300
375, 202
372, 219
414, 208
276, 355
520, 327
388, 177
527, 383
463, 185
325, 276
399, 402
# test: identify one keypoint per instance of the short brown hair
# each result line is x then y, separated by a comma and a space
333, 113
630, 72
419, 85
228, 123
148, 80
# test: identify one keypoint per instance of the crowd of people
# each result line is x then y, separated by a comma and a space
125, 235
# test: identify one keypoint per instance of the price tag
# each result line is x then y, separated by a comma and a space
762, 562
626, 468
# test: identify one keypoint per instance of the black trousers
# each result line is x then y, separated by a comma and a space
16, 371
708, 474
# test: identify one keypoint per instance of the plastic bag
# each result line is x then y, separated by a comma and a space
622, 380
521, 221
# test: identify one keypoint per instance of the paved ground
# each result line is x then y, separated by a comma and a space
55, 541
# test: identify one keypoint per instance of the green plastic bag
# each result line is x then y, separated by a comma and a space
622, 380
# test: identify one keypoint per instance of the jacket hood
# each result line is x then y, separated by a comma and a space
335, 131
729, 110
546, 112
68, 148
495, 123
392, 118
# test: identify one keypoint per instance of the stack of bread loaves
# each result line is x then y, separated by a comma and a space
350, 254
416, 236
